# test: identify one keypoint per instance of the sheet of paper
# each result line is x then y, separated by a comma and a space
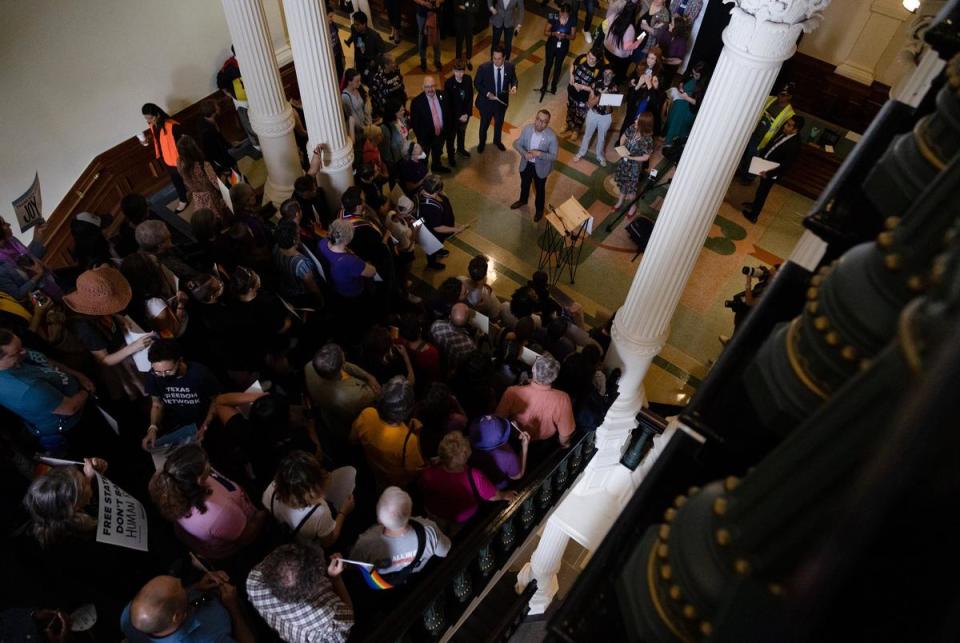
852, 136
316, 262
621, 151
83, 618
341, 484
225, 193
528, 356
167, 443
758, 165
396, 193
612, 100
481, 322
425, 238
828, 148
109, 419
357, 563
121, 518
55, 462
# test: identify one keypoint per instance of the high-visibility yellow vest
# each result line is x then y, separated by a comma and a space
785, 114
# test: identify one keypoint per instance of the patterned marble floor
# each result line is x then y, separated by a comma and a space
483, 187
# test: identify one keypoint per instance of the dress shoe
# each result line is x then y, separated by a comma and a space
480, 147
537, 217
439, 169
465, 154
452, 162
517, 204
438, 66
748, 215
469, 66
501, 147
443, 252
436, 266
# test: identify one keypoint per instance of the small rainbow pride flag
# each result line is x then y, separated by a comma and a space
370, 575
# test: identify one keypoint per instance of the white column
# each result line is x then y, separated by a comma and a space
760, 36
270, 114
544, 566
317, 78
885, 19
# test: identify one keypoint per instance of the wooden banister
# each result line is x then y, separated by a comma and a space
441, 597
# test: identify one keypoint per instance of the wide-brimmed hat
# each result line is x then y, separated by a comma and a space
489, 432
100, 291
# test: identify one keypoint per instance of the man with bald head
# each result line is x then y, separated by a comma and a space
429, 119
164, 610
452, 336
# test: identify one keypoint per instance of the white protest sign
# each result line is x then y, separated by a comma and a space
425, 238
340, 485
29, 206
121, 518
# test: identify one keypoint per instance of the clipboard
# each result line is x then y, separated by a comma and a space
758, 165
613, 100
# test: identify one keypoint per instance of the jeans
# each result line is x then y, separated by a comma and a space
463, 23
244, 117
422, 43
529, 175
599, 123
507, 33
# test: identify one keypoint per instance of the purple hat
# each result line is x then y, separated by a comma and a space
489, 432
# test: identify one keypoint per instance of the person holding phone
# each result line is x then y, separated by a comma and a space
622, 38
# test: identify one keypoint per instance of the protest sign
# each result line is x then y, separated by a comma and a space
121, 518
29, 207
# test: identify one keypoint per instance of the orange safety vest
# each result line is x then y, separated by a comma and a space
163, 144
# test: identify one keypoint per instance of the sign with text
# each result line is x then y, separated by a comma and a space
121, 518
29, 207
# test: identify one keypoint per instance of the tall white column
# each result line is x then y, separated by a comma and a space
270, 114
317, 78
760, 36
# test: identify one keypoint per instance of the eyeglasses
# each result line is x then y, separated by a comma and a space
167, 373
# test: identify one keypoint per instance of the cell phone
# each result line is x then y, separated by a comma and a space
643, 34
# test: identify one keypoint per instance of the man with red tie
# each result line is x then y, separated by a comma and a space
429, 119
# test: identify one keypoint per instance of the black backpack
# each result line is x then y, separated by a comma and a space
402, 576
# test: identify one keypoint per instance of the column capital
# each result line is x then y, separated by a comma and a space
274, 125
767, 30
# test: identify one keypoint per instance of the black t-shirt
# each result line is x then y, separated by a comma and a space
97, 333
253, 328
186, 398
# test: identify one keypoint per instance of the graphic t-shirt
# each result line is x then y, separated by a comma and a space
390, 554
186, 398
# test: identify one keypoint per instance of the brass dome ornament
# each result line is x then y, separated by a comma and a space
893, 262
891, 222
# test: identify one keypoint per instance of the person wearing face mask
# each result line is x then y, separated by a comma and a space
459, 92
182, 392
599, 117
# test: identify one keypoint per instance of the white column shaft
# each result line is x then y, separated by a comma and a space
317, 78
544, 566
270, 114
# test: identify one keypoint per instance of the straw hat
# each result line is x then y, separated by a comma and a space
101, 291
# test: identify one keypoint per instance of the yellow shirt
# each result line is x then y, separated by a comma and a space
383, 444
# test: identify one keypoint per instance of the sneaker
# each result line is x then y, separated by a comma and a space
465, 154
578, 157
501, 147
443, 252
602, 161
588, 37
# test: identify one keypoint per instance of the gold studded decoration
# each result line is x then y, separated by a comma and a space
741, 566
670, 514
821, 323
689, 611
885, 239
813, 307
811, 293
720, 506
706, 629
662, 550
775, 588
891, 222
893, 262
730, 483
723, 537
664, 532
849, 353
666, 572
832, 338
675, 592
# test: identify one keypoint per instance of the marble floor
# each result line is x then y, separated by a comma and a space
483, 187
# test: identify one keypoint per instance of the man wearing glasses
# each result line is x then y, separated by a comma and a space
183, 393
537, 145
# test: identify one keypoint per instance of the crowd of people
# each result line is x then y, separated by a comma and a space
299, 425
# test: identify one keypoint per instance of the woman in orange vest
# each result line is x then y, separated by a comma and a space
166, 132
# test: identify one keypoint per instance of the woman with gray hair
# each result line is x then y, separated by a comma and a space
389, 435
348, 272
537, 407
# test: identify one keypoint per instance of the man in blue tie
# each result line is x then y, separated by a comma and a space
496, 82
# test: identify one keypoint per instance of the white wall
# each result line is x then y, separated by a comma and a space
74, 74
834, 38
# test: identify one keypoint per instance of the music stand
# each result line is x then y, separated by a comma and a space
561, 243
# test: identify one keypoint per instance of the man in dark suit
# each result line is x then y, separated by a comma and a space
784, 150
429, 120
496, 82
458, 90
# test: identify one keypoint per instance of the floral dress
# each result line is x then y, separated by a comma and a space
628, 171
204, 188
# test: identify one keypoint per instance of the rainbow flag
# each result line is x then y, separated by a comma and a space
370, 575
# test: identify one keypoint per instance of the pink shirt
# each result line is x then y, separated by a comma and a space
214, 533
450, 496
539, 410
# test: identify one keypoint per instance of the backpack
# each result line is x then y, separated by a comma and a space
402, 576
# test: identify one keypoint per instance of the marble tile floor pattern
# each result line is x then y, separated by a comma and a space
483, 187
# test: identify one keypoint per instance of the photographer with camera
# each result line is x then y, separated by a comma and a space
744, 301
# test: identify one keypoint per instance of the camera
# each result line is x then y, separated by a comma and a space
758, 272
